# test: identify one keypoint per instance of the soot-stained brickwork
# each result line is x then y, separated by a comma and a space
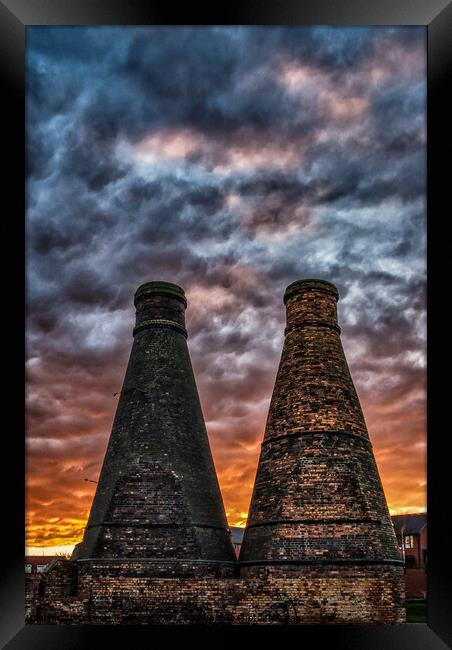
319, 546
158, 496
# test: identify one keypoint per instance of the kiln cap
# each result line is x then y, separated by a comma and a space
160, 288
299, 286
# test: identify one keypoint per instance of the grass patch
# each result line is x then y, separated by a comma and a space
416, 612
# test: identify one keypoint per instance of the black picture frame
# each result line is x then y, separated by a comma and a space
15, 17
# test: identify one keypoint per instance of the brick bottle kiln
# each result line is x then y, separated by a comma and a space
318, 510
158, 500
319, 545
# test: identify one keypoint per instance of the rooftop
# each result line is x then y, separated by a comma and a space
237, 534
39, 559
409, 524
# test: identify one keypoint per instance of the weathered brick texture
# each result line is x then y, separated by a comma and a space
158, 495
115, 595
319, 546
318, 500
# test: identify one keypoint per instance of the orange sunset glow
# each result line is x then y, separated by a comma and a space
59, 497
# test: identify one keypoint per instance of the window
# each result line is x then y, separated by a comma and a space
40, 568
409, 541
28, 568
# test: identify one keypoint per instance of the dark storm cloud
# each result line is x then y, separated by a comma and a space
231, 161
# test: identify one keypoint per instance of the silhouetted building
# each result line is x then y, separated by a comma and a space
35, 565
237, 538
411, 531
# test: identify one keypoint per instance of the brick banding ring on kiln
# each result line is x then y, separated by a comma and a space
296, 434
312, 323
279, 522
160, 322
156, 525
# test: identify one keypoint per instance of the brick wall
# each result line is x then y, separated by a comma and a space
416, 583
115, 595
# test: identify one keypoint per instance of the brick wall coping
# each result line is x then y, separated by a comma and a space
160, 288
160, 322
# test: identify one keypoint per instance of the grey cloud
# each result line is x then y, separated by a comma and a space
97, 227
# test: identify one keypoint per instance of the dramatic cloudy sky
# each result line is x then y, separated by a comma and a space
231, 161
